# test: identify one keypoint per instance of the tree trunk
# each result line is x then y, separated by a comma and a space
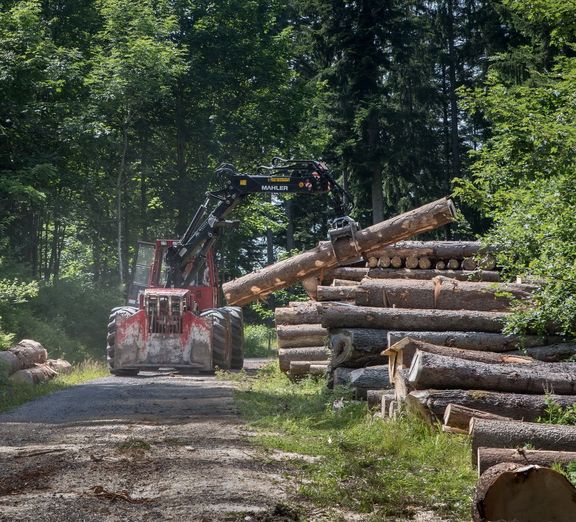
431, 249
511, 491
122, 263
357, 274
312, 353
429, 370
305, 314
336, 293
334, 316
439, 293
431, 404
313, 262
355, 347
25, 354
377, 196
511, 434
36, 375
489, 342
458, 416
488, 457
301, 335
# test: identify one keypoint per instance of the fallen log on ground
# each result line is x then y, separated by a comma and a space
357, 346
60, 366
433, 249
24, 355
511, 434
302, 368
336, 293
431, 404
339, 316
369, 378
303, 314
312, 353
313, 262
516, 492
439, 293
490, 342
301, 335
36, 375
488, 457
458, 417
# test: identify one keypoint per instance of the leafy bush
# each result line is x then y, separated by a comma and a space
259, 340
556, 414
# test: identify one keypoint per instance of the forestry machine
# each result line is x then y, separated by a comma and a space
177, 322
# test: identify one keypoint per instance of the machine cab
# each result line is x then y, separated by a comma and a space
150, 271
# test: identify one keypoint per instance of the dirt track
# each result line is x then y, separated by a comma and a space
153, 447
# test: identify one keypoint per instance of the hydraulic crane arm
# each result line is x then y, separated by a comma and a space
187, 256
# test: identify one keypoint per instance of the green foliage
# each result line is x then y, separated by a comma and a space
346, 458
259, 340
556, 414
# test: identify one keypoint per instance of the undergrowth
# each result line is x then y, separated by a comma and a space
259, 340
390, 469
557, 414
14, 394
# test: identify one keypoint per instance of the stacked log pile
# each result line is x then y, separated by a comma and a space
27, 362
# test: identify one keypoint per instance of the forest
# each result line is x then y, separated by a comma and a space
114, 115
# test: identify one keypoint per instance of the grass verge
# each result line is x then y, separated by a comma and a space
386, 469
12, 395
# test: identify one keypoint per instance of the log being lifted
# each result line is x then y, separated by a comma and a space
488, 457
431, 404
24, 355
433, 249
511, 434
313, 353
313, 262
439, 293
526, 493
300, 335
339, 316
336, 293
429, 370
489, 342
36, 375
357, 274
355, 347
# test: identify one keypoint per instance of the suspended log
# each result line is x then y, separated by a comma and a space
357, 274
369, 378
516, 492
25, 354
401, 354
441, 293
429, 370
304, 314
356, 347
551, 353
313, 262
511, 434
300, 335
458, 416
336, 293
302, 368
36, 375
431, 404
488, 457
334, 316
424, 263
60, 366
433, 249
313, 353
489, 342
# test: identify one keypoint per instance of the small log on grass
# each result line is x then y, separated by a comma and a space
36, 375
25, 354
312, 353
488, 457
336, 293
355, 347
487, 433
516, 492
301, 335
338, 316
387, 397
313, 262
431, 404
490, 342
458, 416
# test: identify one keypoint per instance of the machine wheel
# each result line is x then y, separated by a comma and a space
123, 311
237, 336
221, 339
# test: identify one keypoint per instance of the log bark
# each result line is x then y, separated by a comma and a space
458, 416
357, 347
511, 434
36, 375
344, 282
429, 370
433, 249
551, 353
334, 316
305, 314
516, 492
313, 262
370, 378
313, 353
341, 376
489, 342
431, 404
60, 366
301, 335
439, 293
357, 274
24, 355
336, 293
488, 457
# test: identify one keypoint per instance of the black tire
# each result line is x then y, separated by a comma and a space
221, 338
236, 336
121, 311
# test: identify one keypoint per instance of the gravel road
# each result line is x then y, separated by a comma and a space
152, 447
